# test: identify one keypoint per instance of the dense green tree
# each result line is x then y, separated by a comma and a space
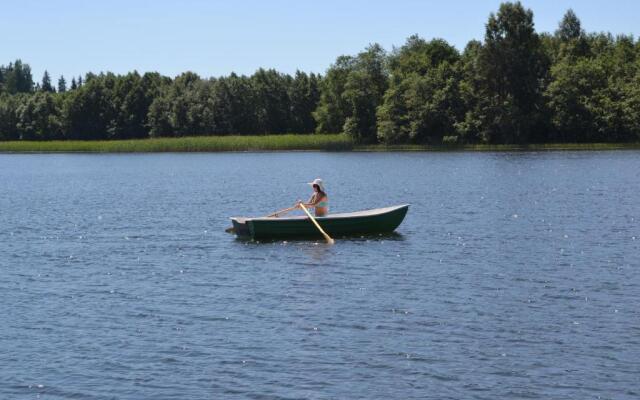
39, 117
418, 56
332, 108
432, 107
8, 116
591, 95
221, 99
342, 105
158, 116
272, 96
470, 127
131, 108
183, 108
571, 38
570, 27
62, 84
570, 96
304, 95
632, 103
16, 78
244, 113
363, 93
46, 83
89, 111
423, 102
362, 101
74, 85
511, 67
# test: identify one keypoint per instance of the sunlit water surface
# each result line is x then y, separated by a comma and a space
514, 275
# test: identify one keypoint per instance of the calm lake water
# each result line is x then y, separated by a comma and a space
514, 275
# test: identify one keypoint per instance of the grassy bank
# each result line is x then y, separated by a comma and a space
272, 143
187, 144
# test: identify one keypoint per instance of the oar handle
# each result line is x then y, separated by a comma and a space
329, 240
275, 214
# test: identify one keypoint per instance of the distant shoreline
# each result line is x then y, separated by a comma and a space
289, 142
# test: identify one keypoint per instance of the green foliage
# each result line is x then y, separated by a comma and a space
89, 111
351, 91
570, 27
434, 105
593, 96
304, 94
515, 87
418, 56
569, 41
332, 110
361, 100
46, 83
62, 85
9, 116
181, 108
423, 102
132, 97
16, 78
266, 102
510, 67
39, 117
273, 106
237, 104
363, 93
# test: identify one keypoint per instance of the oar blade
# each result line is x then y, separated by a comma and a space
326, 236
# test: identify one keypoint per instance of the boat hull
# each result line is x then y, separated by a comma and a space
382, 220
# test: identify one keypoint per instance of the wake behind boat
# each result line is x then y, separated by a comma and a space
379, 220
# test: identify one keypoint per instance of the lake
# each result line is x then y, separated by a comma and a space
514, 275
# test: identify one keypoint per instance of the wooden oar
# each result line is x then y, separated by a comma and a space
329, 240
275, 214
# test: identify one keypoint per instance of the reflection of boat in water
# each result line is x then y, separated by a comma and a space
379, 220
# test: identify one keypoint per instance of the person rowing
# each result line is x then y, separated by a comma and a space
318, 200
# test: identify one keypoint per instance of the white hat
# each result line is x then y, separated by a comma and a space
318, 182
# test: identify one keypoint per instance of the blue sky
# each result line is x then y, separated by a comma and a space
214, 38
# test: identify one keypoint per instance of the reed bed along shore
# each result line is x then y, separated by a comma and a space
187, 144
288, 142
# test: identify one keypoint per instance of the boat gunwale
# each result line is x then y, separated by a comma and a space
374, 212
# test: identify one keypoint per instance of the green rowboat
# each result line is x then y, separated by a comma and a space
379, 220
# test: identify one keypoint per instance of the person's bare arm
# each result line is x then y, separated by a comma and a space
313, 200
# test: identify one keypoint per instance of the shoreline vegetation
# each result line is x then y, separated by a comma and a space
266, 143
515, 88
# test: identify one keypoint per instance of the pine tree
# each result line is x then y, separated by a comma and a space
17, 78
46, 83
62, 84
570, 27
74, 85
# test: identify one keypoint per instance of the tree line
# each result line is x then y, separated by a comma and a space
132, 106
515, 86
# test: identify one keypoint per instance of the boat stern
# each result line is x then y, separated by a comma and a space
240, 226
